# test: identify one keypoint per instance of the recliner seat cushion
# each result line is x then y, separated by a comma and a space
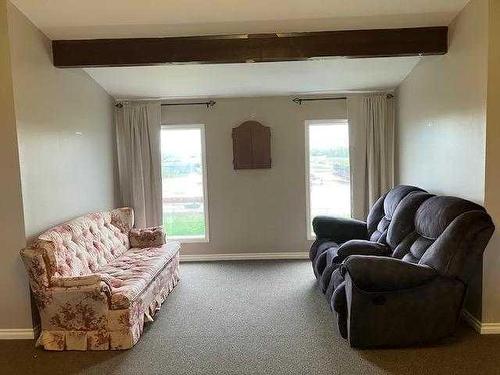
130, 274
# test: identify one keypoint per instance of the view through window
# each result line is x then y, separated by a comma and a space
328, 180
184, 182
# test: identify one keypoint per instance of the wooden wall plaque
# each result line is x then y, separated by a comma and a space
251, 146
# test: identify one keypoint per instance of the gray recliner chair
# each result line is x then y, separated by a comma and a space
401, 225
415, 294
336, 238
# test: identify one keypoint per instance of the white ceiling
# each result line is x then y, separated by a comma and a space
257, 79
77, 19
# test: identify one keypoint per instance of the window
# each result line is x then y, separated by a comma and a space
327, 170
183, 170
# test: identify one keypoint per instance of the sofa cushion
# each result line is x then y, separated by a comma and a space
381, 214
433, 219
83, 245
437, 213
130, 274
338, 304
319, 262
403, 218
147, 237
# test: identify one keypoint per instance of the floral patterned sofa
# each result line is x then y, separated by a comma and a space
96, 280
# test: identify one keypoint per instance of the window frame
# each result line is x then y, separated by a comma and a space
310, 234
206, 237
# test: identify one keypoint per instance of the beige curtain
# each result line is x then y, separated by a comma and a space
138, 127
371, 149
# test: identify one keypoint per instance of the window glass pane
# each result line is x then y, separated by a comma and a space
182, 182
329, 175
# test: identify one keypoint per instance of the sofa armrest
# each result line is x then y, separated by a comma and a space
339, 229
416, 315
380, 274
67, 282
360, 247
147, 237
329, 260
85, 290
73, 310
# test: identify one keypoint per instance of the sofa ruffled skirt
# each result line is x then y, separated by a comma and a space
86, 325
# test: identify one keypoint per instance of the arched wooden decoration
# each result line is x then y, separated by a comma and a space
251, 146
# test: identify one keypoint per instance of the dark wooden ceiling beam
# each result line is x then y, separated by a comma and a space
250, 48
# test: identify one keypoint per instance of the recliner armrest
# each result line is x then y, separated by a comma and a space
380, 274
339, 229
360, 247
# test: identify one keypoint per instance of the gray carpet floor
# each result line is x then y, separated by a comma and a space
258, 317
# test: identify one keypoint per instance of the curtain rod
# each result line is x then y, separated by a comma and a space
299, 101
209, 104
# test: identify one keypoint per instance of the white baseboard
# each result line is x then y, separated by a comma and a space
17, 334
482, 328
244, 256
472, 320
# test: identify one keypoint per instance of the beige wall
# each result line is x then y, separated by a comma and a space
441, 132
491, 268
442, 112
15, 310
66, 147
66, 136
255, 210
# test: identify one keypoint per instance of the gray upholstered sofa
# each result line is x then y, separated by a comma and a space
402, 280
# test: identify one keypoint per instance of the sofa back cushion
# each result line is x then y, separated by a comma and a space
403, 219
449, 231
381, 213
85, 244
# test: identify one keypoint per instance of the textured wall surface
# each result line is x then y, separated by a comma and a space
491, 268
262, 210
65, 135
441, 132
15, 310
442, 112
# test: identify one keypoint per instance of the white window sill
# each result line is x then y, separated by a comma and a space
189, 239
